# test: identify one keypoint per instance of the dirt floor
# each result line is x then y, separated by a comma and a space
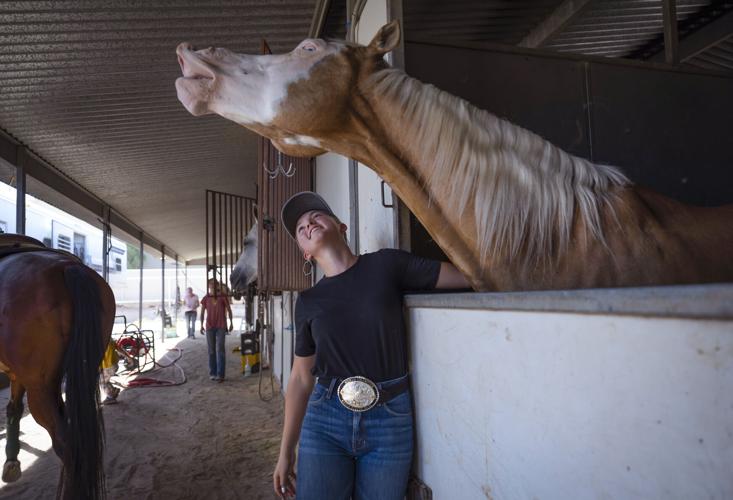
198, 440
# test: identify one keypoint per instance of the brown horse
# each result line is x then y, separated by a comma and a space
511, 210
56, 319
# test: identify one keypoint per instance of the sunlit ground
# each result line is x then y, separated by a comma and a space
35, 441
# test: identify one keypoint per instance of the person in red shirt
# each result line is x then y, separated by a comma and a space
215, 308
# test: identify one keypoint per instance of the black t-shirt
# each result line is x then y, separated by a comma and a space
353, 322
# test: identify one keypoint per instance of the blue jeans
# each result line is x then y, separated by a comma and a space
344, 454
217, 354
191, 322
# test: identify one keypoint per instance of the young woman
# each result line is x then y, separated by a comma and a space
348, 402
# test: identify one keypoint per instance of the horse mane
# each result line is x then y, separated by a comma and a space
524, 191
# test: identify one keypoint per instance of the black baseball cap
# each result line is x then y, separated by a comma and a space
300, 203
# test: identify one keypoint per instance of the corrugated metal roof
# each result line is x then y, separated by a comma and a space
611, 28
617, 28
335, 22
500, 21
89, 87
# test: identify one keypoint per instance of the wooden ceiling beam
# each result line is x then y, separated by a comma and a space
703, 39
553, 24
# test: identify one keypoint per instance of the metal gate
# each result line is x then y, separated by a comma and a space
280, 265
228, 219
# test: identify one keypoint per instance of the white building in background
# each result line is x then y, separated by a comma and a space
57, 229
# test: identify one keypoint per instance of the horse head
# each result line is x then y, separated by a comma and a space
301, 100
244, 272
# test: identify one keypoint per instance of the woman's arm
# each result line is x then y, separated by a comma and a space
451, 277
300, 385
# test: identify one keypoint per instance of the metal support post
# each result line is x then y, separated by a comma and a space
140, 298
671, 42
177, 306
162, 293
20, 195
354, 205
106, 242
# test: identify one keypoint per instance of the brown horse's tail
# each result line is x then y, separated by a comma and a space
83, 476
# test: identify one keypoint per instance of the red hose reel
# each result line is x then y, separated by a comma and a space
133, 345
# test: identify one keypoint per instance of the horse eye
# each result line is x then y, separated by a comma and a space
309, 48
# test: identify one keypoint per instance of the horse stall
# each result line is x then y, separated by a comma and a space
575, 394
593, 393
607, 393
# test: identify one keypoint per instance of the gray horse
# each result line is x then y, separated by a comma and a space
245, 270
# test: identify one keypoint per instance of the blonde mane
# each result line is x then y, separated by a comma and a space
523, 190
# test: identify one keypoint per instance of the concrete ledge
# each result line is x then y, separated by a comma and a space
686, 301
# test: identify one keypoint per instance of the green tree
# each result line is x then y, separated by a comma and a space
133, 257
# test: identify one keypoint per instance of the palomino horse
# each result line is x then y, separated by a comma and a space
56, 319
512, 211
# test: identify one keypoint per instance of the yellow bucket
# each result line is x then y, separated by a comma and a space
250, 363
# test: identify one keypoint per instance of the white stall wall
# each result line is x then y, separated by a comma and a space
332, 182
515, 405
375, 221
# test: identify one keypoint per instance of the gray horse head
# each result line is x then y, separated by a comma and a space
245, 270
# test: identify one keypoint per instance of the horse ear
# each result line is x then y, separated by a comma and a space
386, 39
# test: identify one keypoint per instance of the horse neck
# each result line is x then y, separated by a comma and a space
510, 193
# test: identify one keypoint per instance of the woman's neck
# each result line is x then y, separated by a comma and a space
335, 260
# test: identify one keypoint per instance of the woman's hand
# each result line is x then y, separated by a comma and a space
283, 479
300, 386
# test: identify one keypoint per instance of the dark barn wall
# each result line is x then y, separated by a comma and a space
672, 132
667, 130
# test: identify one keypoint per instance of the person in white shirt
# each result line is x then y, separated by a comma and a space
191, 305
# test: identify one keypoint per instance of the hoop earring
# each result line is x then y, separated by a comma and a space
307, 264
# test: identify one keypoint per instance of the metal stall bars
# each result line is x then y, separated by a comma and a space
280, 266
228, 219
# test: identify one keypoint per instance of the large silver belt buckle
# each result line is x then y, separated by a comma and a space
358, 393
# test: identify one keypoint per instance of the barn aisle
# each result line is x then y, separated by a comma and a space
202, 439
